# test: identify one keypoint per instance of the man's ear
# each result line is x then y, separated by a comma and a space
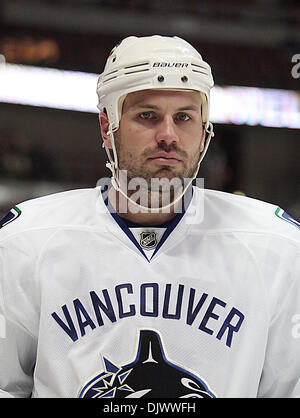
104, 127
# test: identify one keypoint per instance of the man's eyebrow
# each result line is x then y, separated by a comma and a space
180, 109
145, 105
190, 107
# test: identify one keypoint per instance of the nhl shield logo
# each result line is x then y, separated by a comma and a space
148, 240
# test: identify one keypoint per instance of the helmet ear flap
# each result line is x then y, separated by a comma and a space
105, 128
120, 105
204, 109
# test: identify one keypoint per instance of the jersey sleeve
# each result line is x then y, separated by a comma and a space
281, 371
16, 379
17, 341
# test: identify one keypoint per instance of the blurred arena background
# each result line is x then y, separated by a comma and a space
45, 148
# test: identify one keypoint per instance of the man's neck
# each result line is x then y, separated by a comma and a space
134, 213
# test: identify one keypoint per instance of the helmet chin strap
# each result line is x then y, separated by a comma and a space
112, 165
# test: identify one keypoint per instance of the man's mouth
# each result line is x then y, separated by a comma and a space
164, 158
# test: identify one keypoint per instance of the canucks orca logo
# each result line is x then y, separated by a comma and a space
150, 375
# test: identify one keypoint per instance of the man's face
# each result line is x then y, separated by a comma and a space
160, 135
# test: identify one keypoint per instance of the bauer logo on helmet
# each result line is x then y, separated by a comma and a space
171, 64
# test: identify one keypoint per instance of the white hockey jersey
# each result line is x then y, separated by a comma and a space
213, 311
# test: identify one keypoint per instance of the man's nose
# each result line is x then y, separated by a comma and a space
166, 131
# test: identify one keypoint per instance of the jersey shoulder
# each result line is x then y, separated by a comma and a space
226, 211
69, 208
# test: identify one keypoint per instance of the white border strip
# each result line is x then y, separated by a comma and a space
34, 86
76, 91
256, 106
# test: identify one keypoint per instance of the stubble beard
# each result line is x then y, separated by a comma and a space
158, 187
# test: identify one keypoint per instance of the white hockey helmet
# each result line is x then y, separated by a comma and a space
152, 62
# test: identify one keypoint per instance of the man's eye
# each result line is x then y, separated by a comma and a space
183, 117
146, 115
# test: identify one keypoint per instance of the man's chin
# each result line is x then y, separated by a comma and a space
159, 180
167, 172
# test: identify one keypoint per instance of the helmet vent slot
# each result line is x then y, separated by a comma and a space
112, 72
199, 69
137, 71
110, 78
136, 68
136, 65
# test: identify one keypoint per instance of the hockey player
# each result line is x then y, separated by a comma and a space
147, 286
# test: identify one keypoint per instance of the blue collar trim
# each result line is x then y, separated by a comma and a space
125, 225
